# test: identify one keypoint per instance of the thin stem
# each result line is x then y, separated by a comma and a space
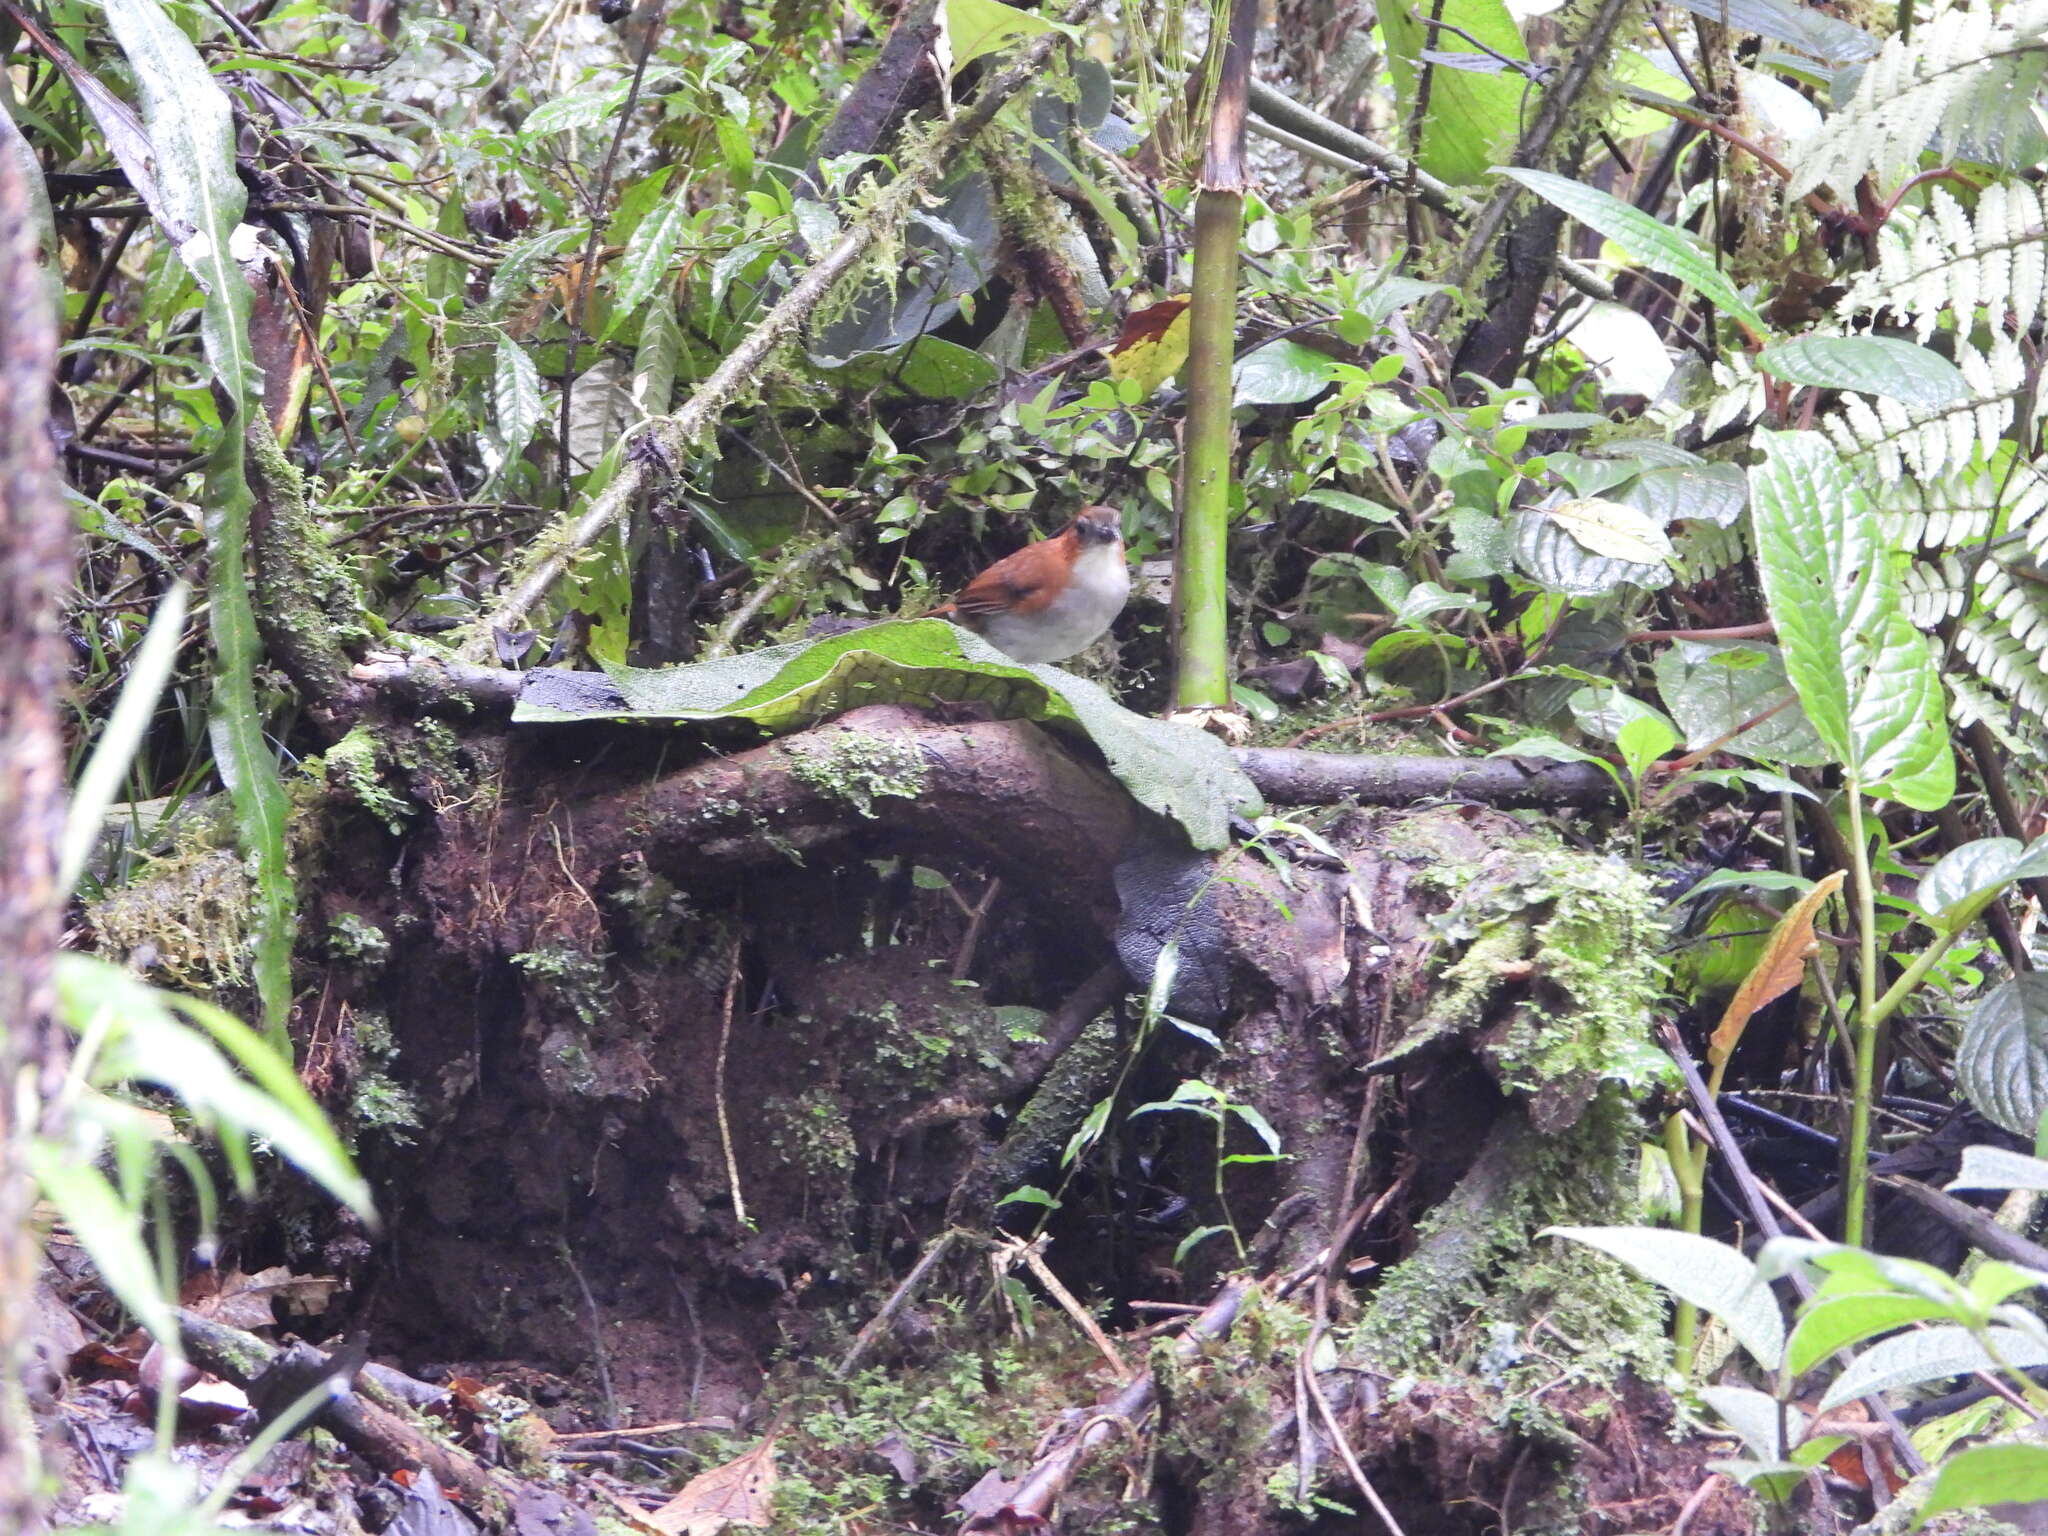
1869, 1024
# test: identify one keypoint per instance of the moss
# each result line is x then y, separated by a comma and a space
859, 769
570, 976
351, 767
1479, 1283
187, 919
1074, 1085
352, 937
811, 1131
312, 606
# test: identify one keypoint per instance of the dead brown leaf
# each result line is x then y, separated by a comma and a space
1777, 971
740, 1492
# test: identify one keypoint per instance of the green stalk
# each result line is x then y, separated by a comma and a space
1687, 1167
1200, 607
1869, 1025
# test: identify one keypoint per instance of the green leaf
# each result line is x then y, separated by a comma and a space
1648, 240
2002, 1062
1174, 770
945, 370
122, 736
1996, 1168
1985, 866
192, 140
1756, 1417
1029, 1194
1931, 1354
1260, 1125
1556, 560
1473, 116
1193, 1240
515, 398
654, 361
1281, 373
1865, 675
1716, 688
976, 27
110, 1233
648, 254
1838, 1322
1827, 38
1357, 506
1712, 1276
1988, 1474
1701, 493
1871, 365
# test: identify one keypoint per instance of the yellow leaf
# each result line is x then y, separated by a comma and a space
1611, 529
1152, 345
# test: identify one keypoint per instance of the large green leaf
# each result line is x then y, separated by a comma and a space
1475, 110
2002, 1062
1988, 1474
1932, 1354
1873, 365
1712, 1276
1175, 770
1865, 675
192, 141
1655, 244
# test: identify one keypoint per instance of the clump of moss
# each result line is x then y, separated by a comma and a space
859, 768
351, 768
187, 919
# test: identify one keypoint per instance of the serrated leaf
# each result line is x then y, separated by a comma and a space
1931, 1354
2002, 1062
648, 254
1988, 1474
515, 397
1873, 365
1865, 675
1649, 241
1175, 770
1712, 1276
1701, 493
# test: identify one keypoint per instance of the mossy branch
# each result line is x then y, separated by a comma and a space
560, 546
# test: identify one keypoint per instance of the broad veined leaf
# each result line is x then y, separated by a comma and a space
1653, 243
648, 254
1996, 1168
1873, 365
1832, 1323
975, 27
2002, 1062
1175, 770
1611, 529
515, 397
1281, 373
1865, 675
1735, 693
1701, 493
1931, 1354
1152, 345
1980, 868
1474, 113
1988, 1474
1712, 1276
1557, 560
1827, 38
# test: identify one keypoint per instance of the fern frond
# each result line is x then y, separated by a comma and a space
1945, 261
1963, 86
